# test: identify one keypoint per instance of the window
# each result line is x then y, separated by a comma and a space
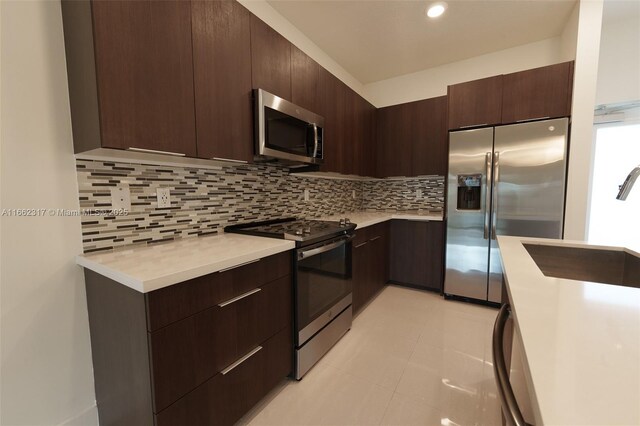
617, 152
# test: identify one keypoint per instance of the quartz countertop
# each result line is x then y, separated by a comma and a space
581, 341
151, 267
367, 218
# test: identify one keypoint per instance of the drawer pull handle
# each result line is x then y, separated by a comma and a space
473, 125
375, 238
155, 151
532, 119
360, 245
229, 160
240, 265
242, 296
241, 360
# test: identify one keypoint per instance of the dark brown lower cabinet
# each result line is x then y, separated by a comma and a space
370, 263
417, 254
225, 398
202, 352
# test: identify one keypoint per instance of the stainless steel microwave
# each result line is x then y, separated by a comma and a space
287, 132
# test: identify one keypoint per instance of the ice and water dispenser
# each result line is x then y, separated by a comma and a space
469, 191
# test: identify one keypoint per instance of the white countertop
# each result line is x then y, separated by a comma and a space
363, 219
150, 267
581, 341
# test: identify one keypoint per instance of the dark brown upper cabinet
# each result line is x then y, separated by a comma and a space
332, 108
369, 146
353, 128
429, 148
305, 81
270, 60
537, 93
130, 70
412, 138
394, 141
475, 103
222, 74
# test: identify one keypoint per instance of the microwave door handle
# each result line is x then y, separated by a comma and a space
315, 140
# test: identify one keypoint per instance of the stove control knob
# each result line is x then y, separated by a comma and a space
347, 221
342, 222
298, 231
307, 230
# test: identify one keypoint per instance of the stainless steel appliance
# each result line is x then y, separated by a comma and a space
505, 180
322, 282
286, 132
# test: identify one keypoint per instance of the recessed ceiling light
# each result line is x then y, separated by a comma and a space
436, 9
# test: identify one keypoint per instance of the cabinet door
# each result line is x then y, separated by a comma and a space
305, 81
475, 103
417, 253
379, 257
393, 142
538, 93
270, 60
353, 127
144, 69
332, 109
368, 147
222, 74
429, 143
360, 274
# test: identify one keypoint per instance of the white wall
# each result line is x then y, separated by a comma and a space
46, 374
434, 81
584, 97
275, 20
619, 65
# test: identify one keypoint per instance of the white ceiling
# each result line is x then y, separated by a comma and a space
379, 39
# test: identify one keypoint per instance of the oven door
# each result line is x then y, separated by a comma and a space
286, 131
323, 285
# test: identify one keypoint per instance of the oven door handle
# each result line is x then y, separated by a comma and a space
305, 254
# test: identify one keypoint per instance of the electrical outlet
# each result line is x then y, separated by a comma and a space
418, 193
164, 197
121, 197
306, 194
353, 194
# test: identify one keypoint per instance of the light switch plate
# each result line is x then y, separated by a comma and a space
121, 197
353, 194
418, 193
164, 197
306, 194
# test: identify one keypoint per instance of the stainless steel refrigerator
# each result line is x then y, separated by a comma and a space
504, 180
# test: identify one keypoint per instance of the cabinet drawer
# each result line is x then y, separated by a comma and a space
361, 236
223, 399
178, 301
190, 351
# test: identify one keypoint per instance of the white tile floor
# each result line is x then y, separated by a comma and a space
411, 358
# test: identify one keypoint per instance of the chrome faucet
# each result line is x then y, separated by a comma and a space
626, 186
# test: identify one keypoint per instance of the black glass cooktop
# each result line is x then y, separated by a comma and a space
293, 229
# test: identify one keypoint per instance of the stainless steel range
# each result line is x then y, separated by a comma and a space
322, 281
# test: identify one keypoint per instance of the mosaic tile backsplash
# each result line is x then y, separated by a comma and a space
423, 193
204, 201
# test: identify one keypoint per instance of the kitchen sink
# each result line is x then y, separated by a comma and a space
606, 266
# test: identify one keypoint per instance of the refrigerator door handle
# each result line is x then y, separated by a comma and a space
494, 207
487, 195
